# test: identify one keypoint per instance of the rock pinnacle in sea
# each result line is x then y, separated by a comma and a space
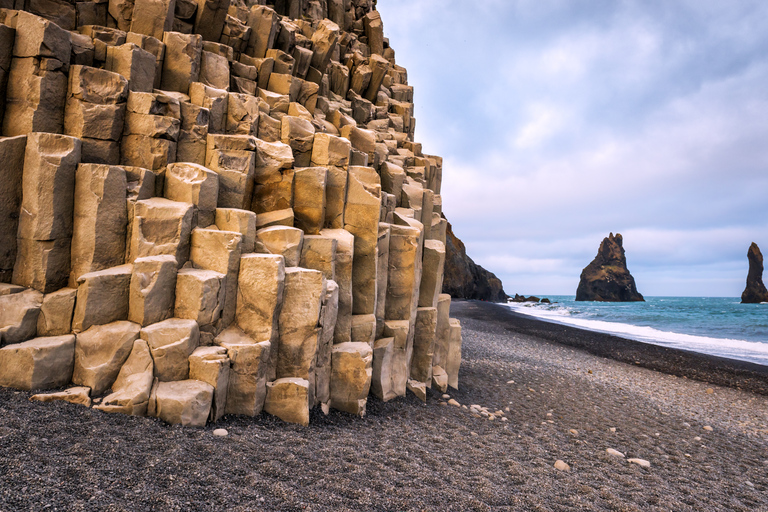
755, 291
607, 279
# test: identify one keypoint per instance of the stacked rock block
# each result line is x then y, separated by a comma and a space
214, 208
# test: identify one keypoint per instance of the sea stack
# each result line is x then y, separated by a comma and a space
755, 291
607, 279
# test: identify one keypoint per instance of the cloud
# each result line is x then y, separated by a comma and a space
561, 121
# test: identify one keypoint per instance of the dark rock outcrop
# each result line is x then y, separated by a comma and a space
607, 279
465, 279
755, 291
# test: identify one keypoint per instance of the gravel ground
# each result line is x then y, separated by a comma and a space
563, 404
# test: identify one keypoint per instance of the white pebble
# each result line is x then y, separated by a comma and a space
446, 397
708, 428
640, 462
220, 432
614, 453
562, 466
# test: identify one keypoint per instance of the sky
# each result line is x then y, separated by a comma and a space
561, 121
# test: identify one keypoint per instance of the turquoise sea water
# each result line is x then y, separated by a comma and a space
718, 326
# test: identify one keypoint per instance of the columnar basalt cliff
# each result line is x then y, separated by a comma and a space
214, 208
755, 291
466, 279
607, 278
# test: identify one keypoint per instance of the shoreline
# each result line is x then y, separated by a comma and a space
707, 445
717, 370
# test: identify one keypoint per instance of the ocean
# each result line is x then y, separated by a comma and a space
718, 326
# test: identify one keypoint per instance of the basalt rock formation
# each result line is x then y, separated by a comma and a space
755, 292
607, 279
465, 279
215, 207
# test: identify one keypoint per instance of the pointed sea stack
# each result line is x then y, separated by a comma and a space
755, 291
607, 279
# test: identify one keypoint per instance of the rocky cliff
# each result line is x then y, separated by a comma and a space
464, 278
213, 207
755, 292
606, 278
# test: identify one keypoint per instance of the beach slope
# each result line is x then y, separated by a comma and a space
560, 402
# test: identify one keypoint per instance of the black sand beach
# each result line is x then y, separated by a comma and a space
566, 395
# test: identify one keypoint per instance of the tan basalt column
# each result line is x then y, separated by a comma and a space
249, 372
345, 251
260, 295
382, 276
282, 240
47, 212
193, 134
12, 155
161, 226
137, 65
211, 15
328, 314
102, 297
37, 77
361, 218
239, 221
153, 17
351, 377
264, 23
200, 297
40, 363
233, 158
273, 177
193, 183
215, 100
324, 44
433, 264
424, 345
442, 334
55, 317
153, 287
212, 365
299, 134
383, 383
100, 219
171, 342
131, 389
288, 399
299, 315
95, 110
181, 66
403, 251
7, 37
453, 361
309, 199
318, 252
100, 352
400, 371
216, 250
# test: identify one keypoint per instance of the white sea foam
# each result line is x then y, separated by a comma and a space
742, 350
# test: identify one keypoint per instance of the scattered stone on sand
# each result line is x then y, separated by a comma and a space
220, 432
708, 428
454, 403
612, 429
710, 391
574, 431
697, 438
76, 395
640, 462
510, 382
614, 453
446, 397
562, 466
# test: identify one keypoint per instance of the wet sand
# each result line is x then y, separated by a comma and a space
566, 395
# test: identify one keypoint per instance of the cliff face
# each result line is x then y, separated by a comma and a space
202, 187
607, 278
755, 292
466, 279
